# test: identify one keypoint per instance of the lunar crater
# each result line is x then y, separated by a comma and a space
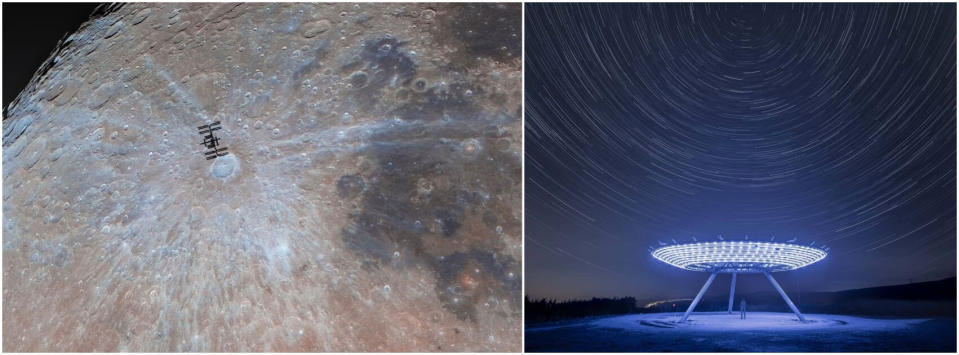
370, 200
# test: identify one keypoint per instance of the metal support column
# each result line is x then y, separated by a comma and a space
732, 291
781, 293
698, 296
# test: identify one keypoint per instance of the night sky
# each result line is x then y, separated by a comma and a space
30, 34
828, 123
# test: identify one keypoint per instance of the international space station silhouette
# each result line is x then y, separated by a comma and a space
210, 141
739, 257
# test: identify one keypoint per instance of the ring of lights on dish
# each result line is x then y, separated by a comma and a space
738, 256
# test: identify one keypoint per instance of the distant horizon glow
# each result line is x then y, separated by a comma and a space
730, 256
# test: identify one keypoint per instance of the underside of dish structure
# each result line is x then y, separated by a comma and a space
739, 257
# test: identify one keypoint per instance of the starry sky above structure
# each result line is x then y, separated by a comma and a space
833, 124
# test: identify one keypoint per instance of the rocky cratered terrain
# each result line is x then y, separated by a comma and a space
370, 201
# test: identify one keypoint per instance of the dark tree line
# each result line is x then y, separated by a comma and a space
923, 299
548, 310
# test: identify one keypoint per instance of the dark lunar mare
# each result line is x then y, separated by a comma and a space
447, 164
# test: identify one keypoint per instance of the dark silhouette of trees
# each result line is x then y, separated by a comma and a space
548, 310
921, 299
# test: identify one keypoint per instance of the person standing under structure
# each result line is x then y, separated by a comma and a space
742, 309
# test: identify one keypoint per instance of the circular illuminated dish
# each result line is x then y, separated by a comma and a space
738, 256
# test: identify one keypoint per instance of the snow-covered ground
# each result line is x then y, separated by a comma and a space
767, 321
760, 331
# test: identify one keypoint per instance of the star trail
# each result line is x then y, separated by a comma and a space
829, 124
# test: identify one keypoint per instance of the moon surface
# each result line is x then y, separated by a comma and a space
370, 200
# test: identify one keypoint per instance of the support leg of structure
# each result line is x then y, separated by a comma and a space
698, 296
782, 293
732, 291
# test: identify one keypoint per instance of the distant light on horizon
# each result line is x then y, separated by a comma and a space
656, 303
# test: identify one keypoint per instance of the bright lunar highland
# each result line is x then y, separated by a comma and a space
368, 199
